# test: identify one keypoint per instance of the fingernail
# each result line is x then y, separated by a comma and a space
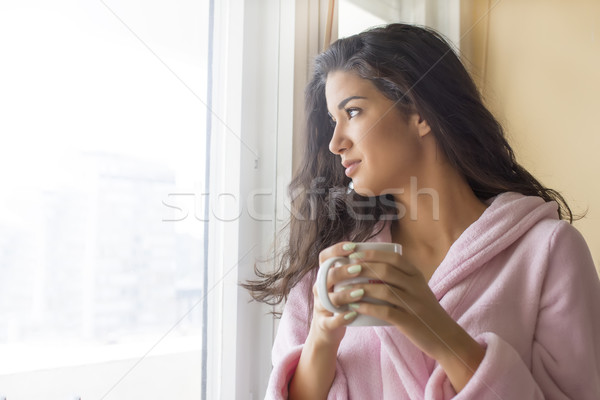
357, 293
349, 246
350, 315
354, 306
358, 254
354, 269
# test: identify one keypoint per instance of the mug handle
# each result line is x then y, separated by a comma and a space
322, 284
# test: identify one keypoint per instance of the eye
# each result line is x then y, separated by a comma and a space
352, 112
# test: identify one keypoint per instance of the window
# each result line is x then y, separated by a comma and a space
358, 15
103, 124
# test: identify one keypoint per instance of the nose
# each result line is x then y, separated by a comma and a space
339, 141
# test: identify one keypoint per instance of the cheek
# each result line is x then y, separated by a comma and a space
398, 156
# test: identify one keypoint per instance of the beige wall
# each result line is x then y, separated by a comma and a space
538, 65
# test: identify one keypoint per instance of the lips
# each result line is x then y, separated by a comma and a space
348, 163
350, 166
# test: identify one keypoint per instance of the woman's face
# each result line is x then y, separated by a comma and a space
370, 132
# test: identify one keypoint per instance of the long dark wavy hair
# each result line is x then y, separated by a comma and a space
416, 68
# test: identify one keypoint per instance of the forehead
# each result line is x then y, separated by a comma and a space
341, 84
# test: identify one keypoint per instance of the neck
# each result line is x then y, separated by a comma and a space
438, 207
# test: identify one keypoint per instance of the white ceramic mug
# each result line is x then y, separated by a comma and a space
361, 319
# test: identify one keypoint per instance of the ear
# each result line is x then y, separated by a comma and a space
422, 126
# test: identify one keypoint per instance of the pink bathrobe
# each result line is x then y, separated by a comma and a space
518, 280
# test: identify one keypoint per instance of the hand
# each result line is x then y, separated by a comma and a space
327, 328
414, 308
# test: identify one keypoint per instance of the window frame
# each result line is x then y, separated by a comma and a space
239, 364
252, 97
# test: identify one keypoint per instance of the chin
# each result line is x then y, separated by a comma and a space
365, 191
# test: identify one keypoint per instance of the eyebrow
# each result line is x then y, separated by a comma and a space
346, 100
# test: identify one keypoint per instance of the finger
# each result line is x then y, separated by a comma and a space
338, 320
380, 272
347, 296
318, 305
342, 273
318, 308
387, 313
384, 257
385, 292
340, 249
329, 320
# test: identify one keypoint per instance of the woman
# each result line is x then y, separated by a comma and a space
495, 296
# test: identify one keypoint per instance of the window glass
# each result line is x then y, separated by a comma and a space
103, 128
